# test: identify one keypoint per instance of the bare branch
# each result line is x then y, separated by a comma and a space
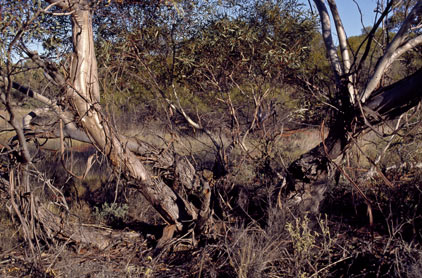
387, 58
360, 13
60, 3
70, 129
64, 4
343, 48
328, 40
181, 111
370, 37
406, 47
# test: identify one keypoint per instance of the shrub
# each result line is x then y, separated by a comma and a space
111, 213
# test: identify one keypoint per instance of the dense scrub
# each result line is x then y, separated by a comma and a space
208, 139
256, 237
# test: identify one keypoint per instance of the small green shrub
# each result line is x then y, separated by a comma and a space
303, 238
111, 213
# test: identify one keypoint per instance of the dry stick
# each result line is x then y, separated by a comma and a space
258, 101
374, 164
50, 266
369, 37
32, 210
320, 92
359, 190
18, 212
378, 159
62, 158
235, 118
57, 192
330, 265
27, 225
367, 123
283, 184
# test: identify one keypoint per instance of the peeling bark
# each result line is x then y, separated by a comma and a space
83, 91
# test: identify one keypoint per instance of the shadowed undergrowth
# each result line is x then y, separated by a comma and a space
250, 236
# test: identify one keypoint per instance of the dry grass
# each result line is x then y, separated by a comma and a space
250, 237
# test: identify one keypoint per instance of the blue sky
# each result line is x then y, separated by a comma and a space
350, 14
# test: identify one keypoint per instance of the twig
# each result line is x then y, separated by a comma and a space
330, 265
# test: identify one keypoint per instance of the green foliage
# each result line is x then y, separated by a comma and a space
317, 61
201, 54
111, 213
260, 47
400, 11
310, 249
303, 239
358, 44
281, 249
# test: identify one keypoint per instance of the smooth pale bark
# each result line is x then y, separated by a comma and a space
69, 128
51, 128
331, 49
342, 38
411, 44
389, 55
309, 176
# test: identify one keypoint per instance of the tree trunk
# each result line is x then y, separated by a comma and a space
392, 101
310, 174
83, 92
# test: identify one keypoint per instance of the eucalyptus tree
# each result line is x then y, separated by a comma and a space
77, 106
69, 63
357, 109
77, 99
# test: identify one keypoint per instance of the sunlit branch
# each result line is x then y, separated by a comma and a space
390, 53
343, 48
328, 40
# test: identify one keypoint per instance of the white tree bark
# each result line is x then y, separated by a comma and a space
411, 44
328, 40
308, 175
391, 52
343, 49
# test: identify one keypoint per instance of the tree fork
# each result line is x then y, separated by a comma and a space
308, 175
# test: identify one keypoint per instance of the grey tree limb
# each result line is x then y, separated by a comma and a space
390, 53
331, 49
409, 45
343, 49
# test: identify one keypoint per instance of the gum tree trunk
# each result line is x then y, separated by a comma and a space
83, 91
308, 176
